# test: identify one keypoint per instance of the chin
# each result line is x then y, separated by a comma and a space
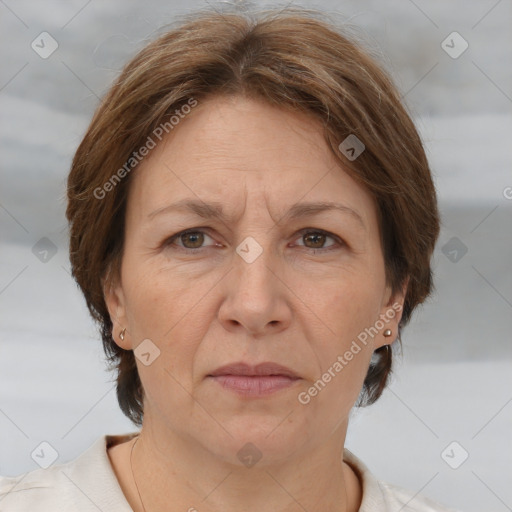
264, 441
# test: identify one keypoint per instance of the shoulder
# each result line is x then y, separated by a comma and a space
408, 501
85, 483
36, 490
385, 497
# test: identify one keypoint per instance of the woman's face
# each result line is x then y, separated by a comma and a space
268, 280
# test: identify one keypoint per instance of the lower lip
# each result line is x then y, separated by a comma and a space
254, 385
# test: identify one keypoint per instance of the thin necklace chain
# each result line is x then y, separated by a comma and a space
133, 475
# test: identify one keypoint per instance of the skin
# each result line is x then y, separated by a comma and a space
298, 304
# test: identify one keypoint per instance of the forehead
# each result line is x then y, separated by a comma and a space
234, 150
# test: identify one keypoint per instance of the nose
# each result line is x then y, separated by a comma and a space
256, 297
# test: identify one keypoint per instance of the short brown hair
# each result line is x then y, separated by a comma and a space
294, 59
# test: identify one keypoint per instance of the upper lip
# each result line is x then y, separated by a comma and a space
261, 369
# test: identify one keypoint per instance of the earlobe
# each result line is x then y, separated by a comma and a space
390, 316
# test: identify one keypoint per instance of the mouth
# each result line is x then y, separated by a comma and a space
254, 381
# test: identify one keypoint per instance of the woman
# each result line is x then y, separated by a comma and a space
252, 219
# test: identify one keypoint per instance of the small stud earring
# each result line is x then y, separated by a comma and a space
121, 334
388, 333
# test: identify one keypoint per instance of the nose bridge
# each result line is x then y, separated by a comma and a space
253, 261
254, 253
254, 296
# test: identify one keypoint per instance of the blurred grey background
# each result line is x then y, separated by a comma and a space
454, 385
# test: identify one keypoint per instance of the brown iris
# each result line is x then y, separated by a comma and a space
316, 238
196, 238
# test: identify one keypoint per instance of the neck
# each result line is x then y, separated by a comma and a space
171, 470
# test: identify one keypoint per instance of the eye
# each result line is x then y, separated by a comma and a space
315, 239
190, 239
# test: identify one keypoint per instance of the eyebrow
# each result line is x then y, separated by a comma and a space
215, 210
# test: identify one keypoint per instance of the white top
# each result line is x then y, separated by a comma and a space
88, 483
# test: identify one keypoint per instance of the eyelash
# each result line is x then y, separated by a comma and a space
306, 231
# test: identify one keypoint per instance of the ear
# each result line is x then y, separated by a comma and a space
391, 314
116, 305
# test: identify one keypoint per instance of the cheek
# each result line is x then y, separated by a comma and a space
343, 359
160, 298
344, 302
346, 306
165, 305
